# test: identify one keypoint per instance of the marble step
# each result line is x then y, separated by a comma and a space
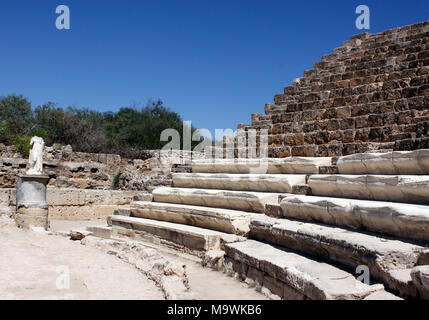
385, 258
290, 165
240, 182
167, 233
407, 221
395, 188
224, 220
293, 276
227, 199
396, 162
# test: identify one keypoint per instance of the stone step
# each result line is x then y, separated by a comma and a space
161, 232
100, 232
334, 149
292, 276
264, 165
382, 295
383, 257
407, 221
235, 200
314, 120
396, 162
122, 212
395, 188
224, 220
420, 278
313, 100
241, 182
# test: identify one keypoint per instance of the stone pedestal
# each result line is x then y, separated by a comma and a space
31, 205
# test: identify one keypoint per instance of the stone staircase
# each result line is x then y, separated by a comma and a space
372, 215
372, 93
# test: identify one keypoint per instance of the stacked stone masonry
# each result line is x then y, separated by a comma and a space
371, 93
69, 169
76, 204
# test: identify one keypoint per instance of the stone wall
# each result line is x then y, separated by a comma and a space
80, 183
64, 153
72, 204
69, 169
371, 93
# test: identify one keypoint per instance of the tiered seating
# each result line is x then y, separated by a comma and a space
389, 261
297, 246
380, 221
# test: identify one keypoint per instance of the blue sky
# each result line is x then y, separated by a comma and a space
214, 62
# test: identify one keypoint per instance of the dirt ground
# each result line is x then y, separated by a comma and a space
34, 265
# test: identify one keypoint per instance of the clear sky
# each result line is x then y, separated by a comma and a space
213, 61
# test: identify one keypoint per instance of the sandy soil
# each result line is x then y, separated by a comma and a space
32, 264
67, 225
206, 283
29, 262
214, 285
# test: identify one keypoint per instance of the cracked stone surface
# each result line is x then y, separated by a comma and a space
228, 199
242, 182
395, 188
403, 220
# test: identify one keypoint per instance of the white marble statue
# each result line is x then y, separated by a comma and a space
36, 156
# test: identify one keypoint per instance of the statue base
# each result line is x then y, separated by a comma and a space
31, 205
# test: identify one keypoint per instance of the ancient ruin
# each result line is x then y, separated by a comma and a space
35, 162
339, 211
31, 205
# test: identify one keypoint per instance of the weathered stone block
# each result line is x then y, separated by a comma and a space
420, 277
398, 219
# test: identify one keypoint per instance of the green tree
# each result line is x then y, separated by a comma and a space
127, 132
17, 110
51, 119
141, 128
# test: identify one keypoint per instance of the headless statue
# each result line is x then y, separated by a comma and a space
36, 156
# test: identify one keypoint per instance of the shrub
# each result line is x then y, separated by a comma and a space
116, 179
39, 133
22, 145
